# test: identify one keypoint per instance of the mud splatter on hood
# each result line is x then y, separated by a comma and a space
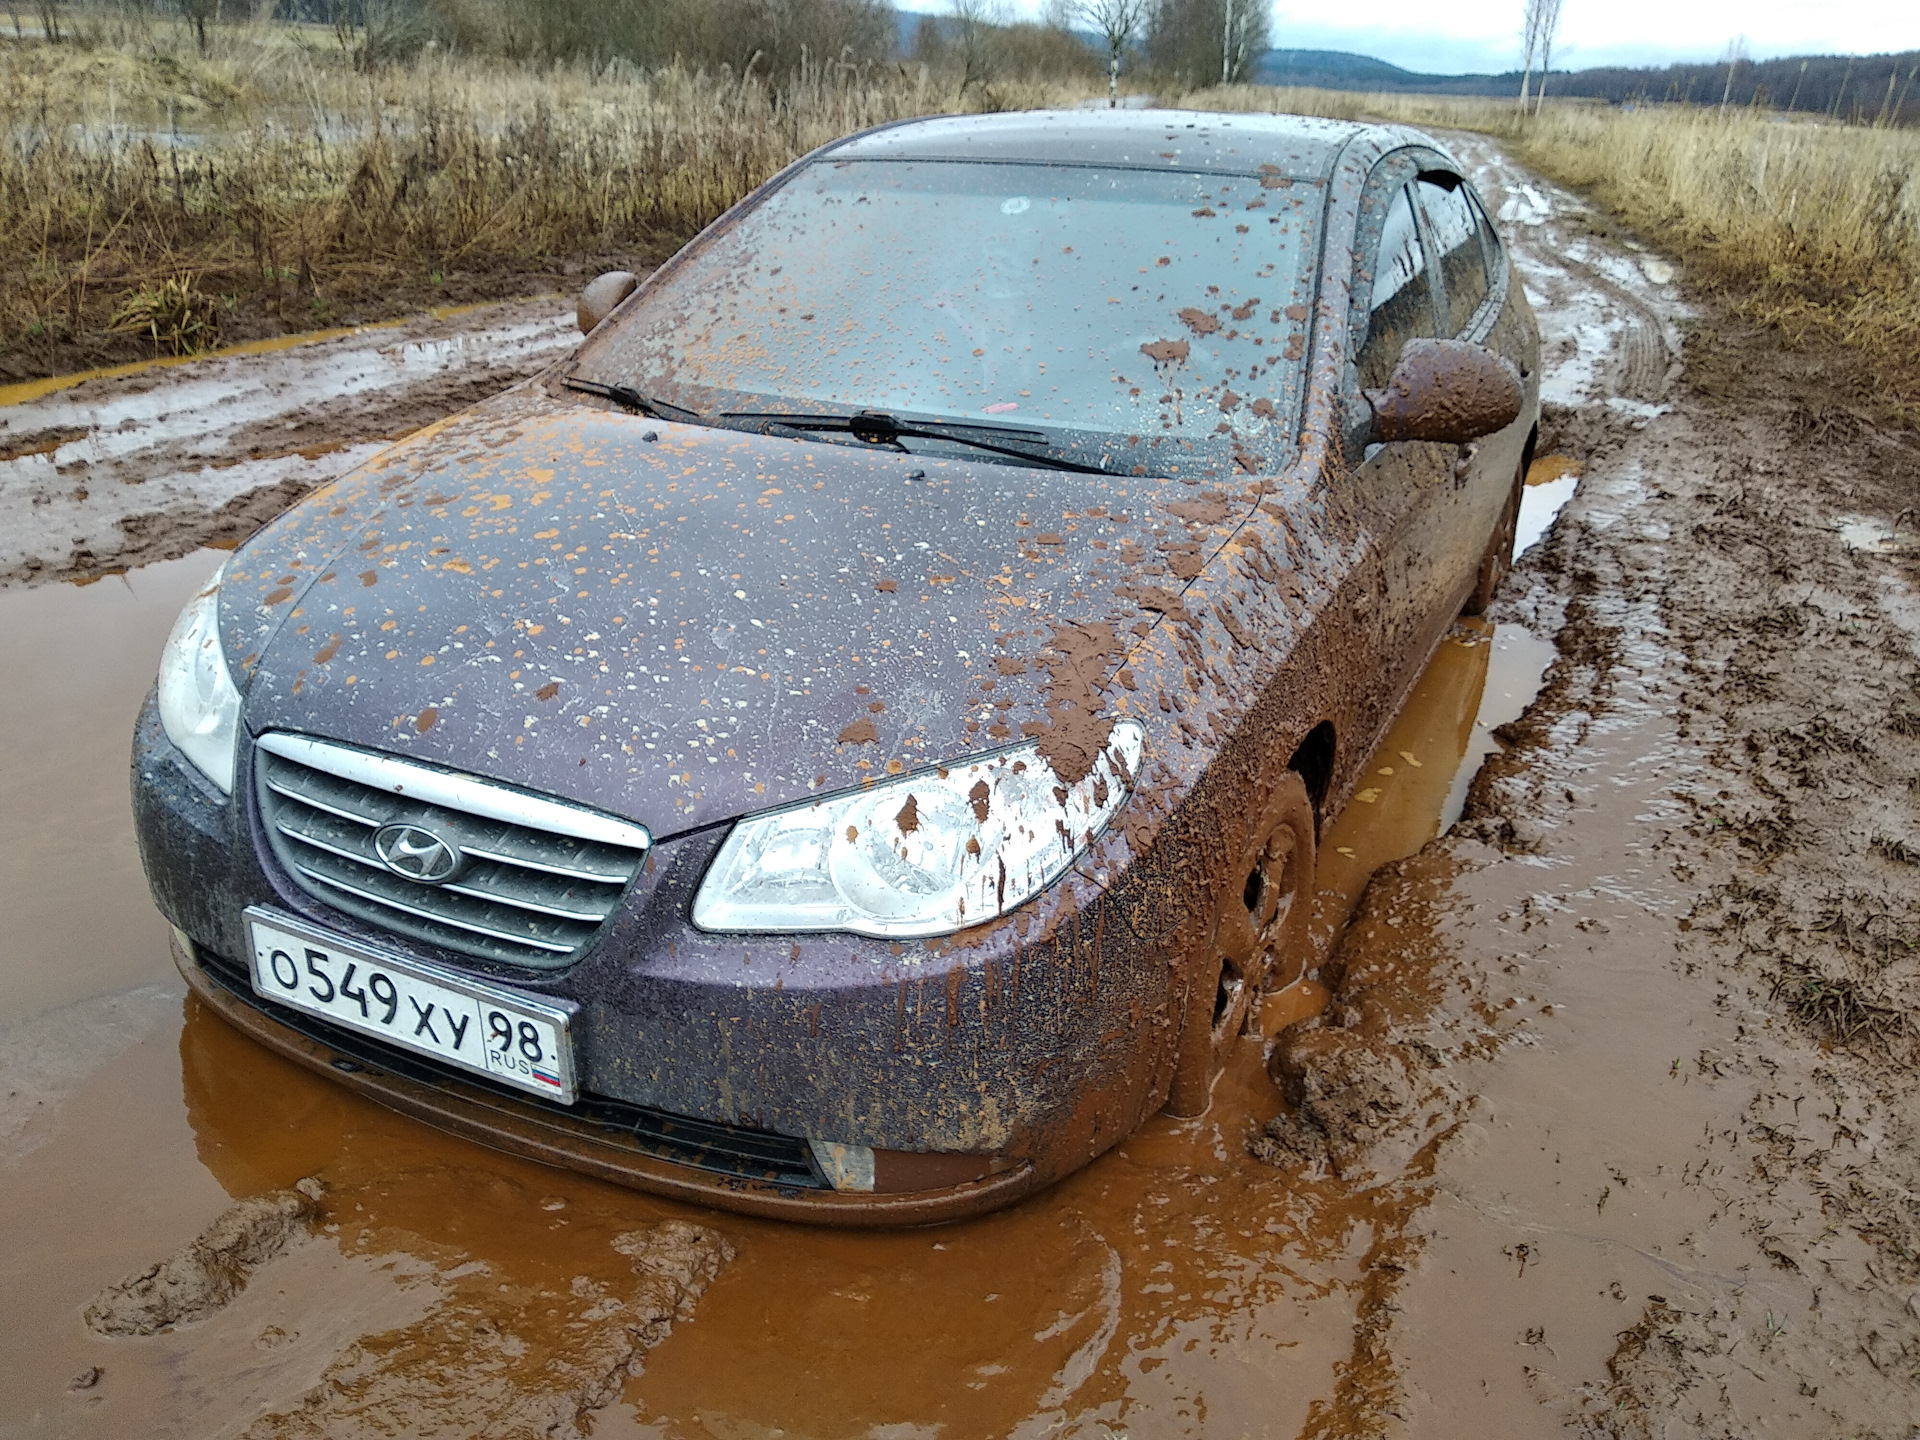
683, 625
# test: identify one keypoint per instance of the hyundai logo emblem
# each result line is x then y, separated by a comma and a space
415, 853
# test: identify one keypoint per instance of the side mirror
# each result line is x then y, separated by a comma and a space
1451, 391
603, 292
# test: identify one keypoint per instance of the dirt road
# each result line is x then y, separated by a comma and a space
124, 469
1608, 1128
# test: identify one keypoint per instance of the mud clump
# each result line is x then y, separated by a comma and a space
1653, 1368
1368, 1080
1347, 1095
211, 1269
494, 1360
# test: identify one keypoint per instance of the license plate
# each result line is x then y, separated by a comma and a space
479, 1027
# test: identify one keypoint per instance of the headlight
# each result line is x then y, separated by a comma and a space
926, 854
199, 705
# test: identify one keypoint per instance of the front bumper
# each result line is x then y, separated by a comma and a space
705, 1063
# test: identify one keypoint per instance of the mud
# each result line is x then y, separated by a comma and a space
1596, 1117
126, 466
526, 1370
211, 1269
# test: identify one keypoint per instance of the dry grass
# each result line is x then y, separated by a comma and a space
306, 193
1810, 229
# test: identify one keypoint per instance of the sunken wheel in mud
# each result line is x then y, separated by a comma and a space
1498, 560
1258, 940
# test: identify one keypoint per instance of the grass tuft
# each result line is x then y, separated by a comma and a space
174, 315
1835, 1009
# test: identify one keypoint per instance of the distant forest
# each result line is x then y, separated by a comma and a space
1861, 88
1865, 89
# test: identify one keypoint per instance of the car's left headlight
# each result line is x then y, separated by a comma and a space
199, 703
925, 854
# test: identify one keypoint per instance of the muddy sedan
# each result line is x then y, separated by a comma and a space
849, 744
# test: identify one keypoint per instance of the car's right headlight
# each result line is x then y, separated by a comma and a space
922, 854
199, 703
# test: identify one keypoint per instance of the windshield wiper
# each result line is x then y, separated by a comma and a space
877, 427
629, 398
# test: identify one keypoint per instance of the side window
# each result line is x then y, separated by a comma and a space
1455, 227
1401, 307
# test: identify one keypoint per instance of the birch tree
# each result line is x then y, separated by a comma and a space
1533, 19
1117, 21
1549, 29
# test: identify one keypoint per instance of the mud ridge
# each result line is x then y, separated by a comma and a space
511, 1366
211, 1269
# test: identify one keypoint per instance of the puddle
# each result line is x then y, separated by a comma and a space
79, 663
1876, 537
1175, 1287
1551, 481
1481, 677
122, 466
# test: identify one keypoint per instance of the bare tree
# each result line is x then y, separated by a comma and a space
198, 13
1244, 21
974, 21
1205, 42
1549, 29
1118, 22
1530, 39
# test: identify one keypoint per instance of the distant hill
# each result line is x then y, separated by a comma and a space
1339, 70
1860, 88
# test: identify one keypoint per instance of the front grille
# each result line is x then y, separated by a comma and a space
758, 1155
536, 878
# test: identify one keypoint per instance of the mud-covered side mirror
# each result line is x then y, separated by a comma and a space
1451, 391
603, 292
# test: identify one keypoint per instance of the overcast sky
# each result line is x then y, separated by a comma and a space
1456, 36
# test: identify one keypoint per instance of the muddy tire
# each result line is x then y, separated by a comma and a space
1258, 941
1498, 560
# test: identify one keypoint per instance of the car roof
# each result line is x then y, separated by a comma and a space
1298, 147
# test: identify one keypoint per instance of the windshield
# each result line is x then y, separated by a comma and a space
1143, 321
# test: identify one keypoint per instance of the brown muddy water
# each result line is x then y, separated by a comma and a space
1176, 1287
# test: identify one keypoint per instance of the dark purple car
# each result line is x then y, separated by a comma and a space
849, 743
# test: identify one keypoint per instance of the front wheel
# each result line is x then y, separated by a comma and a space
1257, 941
1498, 560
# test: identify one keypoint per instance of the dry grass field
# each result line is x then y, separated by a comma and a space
155, 199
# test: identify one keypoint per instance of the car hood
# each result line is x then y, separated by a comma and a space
681, 625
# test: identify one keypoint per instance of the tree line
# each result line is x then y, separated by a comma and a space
1184, 43
1863, 89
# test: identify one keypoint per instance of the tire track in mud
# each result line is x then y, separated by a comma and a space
123, 470
1583, 290
1643, 1027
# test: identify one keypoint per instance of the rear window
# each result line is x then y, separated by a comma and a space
1142, 311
